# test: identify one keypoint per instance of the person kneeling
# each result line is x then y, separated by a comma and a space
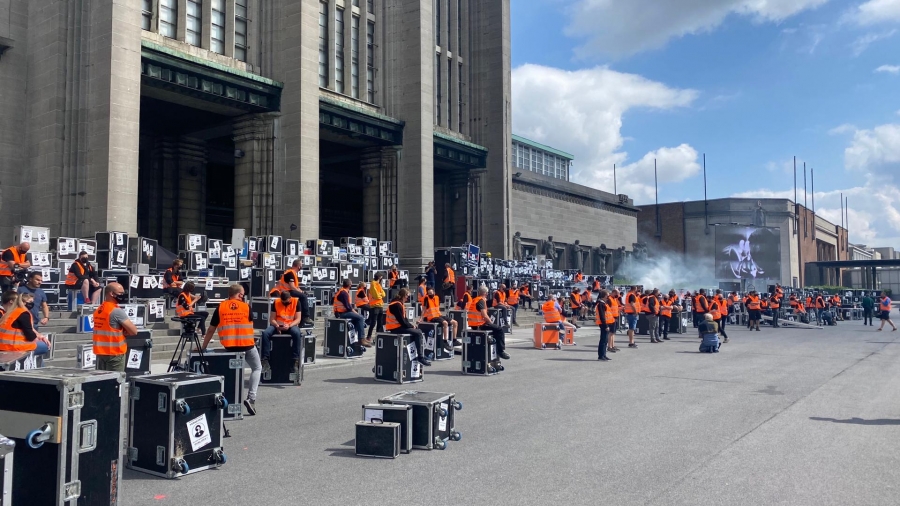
286, 318
709, 332
396, 323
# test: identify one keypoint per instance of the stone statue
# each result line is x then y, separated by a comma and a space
517, 246
759, 215
577, 259
618, 258
549, 250
640, 252
603, 257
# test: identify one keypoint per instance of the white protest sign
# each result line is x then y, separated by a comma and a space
198, 431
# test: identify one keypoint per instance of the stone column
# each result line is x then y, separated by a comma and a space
191, 186
444, 6
113, 123
373, 199
254, 135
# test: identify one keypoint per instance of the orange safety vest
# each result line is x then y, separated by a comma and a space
500, 295
513, 298
339, 306
17, 258
451, 276
613, 303
466, 299
775, 303
596, 285
885, 304
820, 302
420, 294
434, 308
698, 307
752, 303
107, 340
714, 310
474, 318
284, 313
235, 328
525, 290
809, 301
836, 300
608, 317
645, 306
764, 304
14, 339
665, 308
631, 303
377, 296
799, 309
362, 299
551, 315
180, 311
391, 322
576, 300
175, 278
283, 285
393, 276
724, 305
72, 279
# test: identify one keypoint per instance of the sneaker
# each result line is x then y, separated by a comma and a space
296, 367
504, 355
366, 343
666, 339
424, 361
615, 349
457, 342
250, 404
515, 324
448, 347
726, 340
605, 359
632, 345
266, 368
306, 322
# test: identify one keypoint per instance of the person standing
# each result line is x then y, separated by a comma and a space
396, 323
12, 259
448, 282
234, 322
82, 276
376, 305
868, 304
431, 274
725, 305
631, 314
885, 311
701, 307
576, 305
666, 305
40, 311
775, 306
754, 310
715, 310
420, 291
512, 299
820, 307
653, 315
615, 304
111, 325
604, 317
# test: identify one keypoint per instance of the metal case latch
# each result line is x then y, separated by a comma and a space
75, 400
87, 437
72, 490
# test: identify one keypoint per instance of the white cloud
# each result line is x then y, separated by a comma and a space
625, 27
876, 11
873, 161
842, 129
862, 43
581, 112
890, 69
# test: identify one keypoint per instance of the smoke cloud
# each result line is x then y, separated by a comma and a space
669, 271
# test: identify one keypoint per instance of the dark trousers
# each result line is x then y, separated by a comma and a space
867, 317
721, 323
664, 323
526, 299
698, 318
498, 335
302, 304
604, 341
296, 341
775, 313
376, 319
417, 337
203, 315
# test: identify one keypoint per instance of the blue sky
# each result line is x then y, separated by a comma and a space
750, 83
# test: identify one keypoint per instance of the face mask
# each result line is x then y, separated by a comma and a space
120, 297
29, 305
84, 261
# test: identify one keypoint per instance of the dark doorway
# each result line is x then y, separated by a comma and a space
340, 191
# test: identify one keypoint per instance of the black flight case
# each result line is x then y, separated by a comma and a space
433, 417
435, 340
377, 438
341, 340
393, 413
230, 366
479, 355
395, 359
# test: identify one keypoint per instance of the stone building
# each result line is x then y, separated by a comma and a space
384, 118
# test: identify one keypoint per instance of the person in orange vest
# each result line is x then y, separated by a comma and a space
632, 310
172, 282
666, 306
431, 313
13, 259
393, 277
186, 305
111, 325
579, 277
605, 318
343, 308
478, 319
775, 307
16, 325
420, 290
835, 304
467, 296
512, 299
700, 306
448, 281
284, 318
576, 305
724, 310
361, 301
820, 307
754, 309
234, 322
884, 308
290, 282
376, 305
553, 313
525, 295
396, 323
82, 276
715, 311
614, 302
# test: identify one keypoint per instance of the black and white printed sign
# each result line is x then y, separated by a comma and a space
134, 359
198, 431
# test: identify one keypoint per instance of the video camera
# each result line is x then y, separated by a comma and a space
188, 323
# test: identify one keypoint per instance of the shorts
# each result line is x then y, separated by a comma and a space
884, 315
440, 320
632, 320
755, 315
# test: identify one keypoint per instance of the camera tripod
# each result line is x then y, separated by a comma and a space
189, 339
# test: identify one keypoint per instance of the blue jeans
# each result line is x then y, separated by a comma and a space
356, 319
41, 348
515, 309
296, 341
632, 320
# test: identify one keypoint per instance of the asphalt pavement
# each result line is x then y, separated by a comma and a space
782, 416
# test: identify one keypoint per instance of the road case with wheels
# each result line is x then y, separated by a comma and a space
393, 413
436, 340
500, 316
230, 366
377, 438
175, 424
282, 364
341, 340
479, 353
546, 336
309, 347
395, 359
68, 425
7, 449
433, 417
138, 357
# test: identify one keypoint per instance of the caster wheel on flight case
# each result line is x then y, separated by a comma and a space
182, 467
455, 436
457, 406
440, 445
441, 412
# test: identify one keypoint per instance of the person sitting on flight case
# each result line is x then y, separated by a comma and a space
478, 319
525, 295
396, 323
186, 305
285, 318
172, 282
576, 304
234, 322
16, 325
463, 302
82, 276
13, 261
344, 309
431, 313
290, 282
553, 314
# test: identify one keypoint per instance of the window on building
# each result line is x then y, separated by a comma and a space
217, 31
439, 101
146, 14
240, 30
339, 50
526, 158
323, 44
371, 5
194, 22
459, 26
168, 17
461, 97
437, 22
450, 93
354, 61
370, 61
538, 161
356, 3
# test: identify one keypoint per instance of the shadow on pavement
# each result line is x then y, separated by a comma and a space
364, 380
858, 421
